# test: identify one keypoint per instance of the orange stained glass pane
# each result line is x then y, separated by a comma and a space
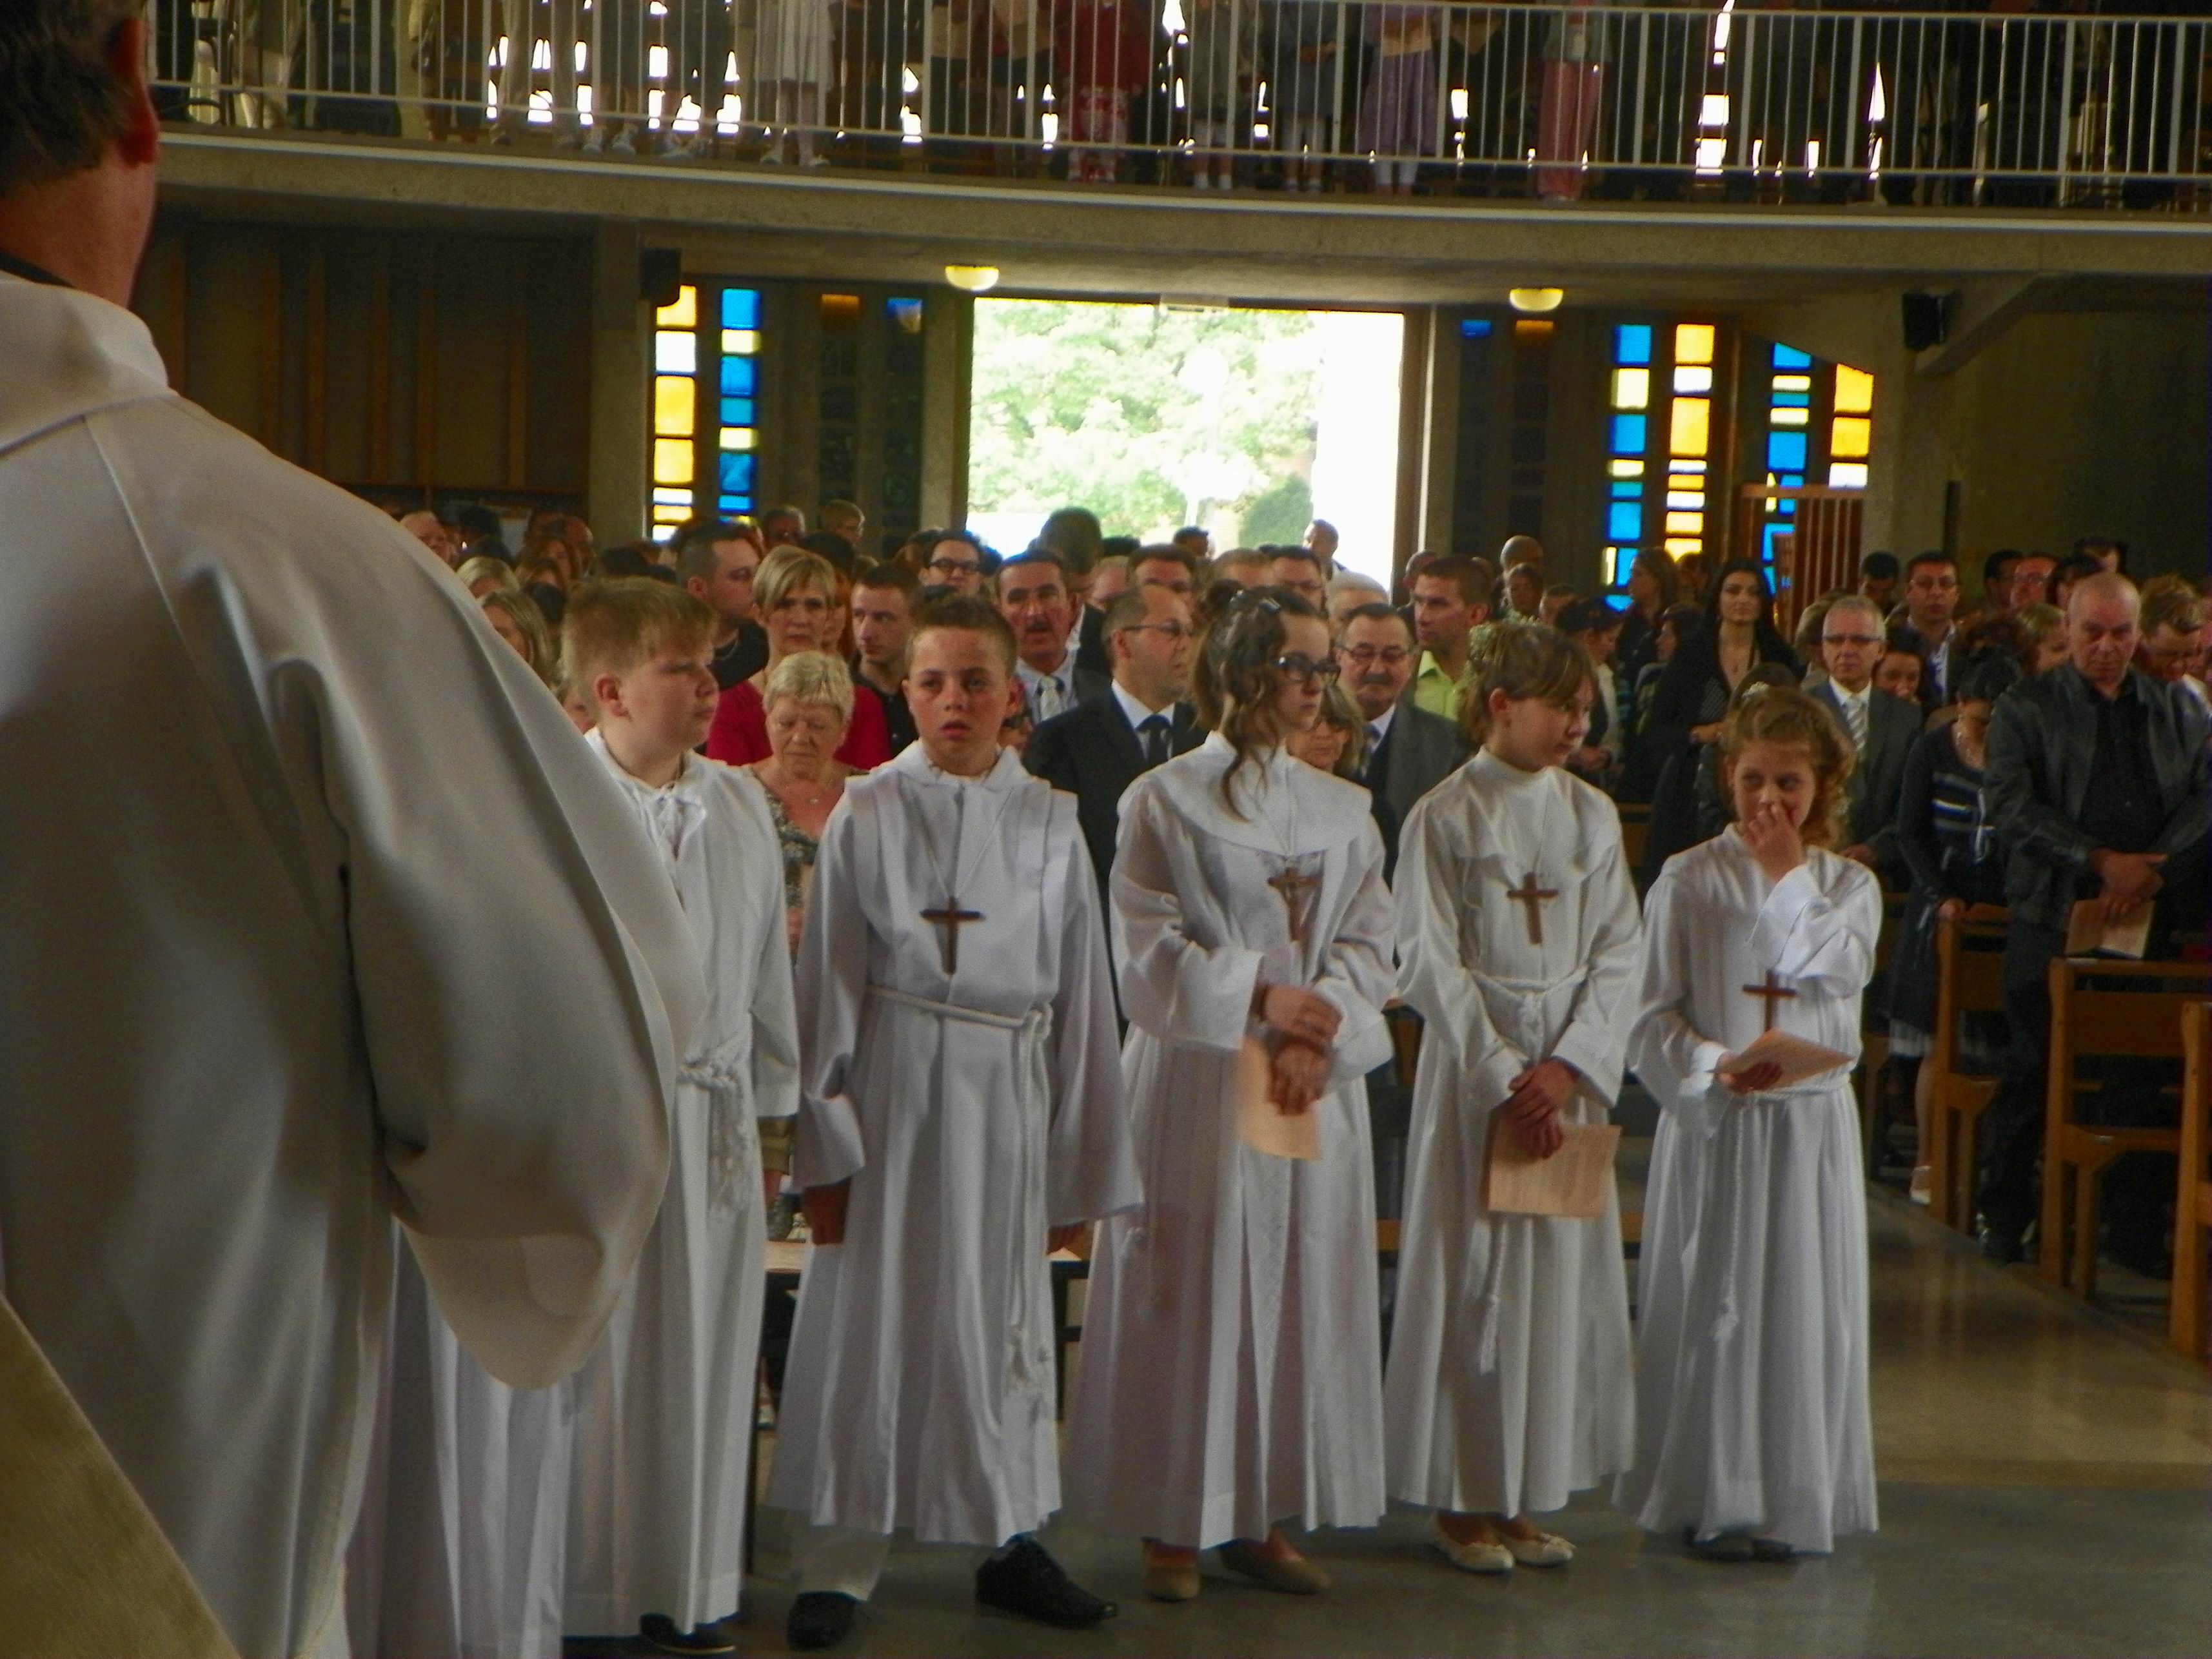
683, 313
1848, 439
1689, 426
1694, 343
671, 460
1854, 390
675, 405
1532, 330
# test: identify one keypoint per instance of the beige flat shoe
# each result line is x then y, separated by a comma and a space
1294, 1577
1170, 1581
1471, 1557
1544, 1550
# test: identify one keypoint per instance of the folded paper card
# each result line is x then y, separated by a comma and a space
1797, 1058
1573, 1182
2088, 934
1261, 1124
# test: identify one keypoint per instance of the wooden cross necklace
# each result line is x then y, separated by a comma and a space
1533, 897
1773, 992
949, 917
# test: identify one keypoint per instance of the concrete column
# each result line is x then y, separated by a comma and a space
1439, 458
617, 483
948, 342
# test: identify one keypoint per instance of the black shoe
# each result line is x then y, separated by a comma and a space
2000, 1244
660, 1630
821, 1619
1027, 1581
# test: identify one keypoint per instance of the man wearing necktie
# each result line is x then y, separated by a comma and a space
1097, 750
1037, 598
1882, 728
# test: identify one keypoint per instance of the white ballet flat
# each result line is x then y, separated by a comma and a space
1544, 1550
1472, 1558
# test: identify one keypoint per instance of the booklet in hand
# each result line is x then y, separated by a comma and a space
2088, 934
1797, 1058
1261, 1124
1573, 1182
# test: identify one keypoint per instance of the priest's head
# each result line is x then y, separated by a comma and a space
960, 683
78, 141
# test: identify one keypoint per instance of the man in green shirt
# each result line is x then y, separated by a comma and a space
1451, 599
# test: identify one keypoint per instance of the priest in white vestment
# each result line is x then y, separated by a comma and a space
962, 1096
297, 937
1510, 1386
1752, 1432
1231, 1376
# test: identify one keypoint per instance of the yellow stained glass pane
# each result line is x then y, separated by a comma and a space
1854, 390
1627, 468
1689, 425
1679, 546
1793, 383
1631, 388
737, 437
1792, 417
740, 342
670, 514
683, 313
1694, 380
671, 460
1847, 475
675, 405
1694, 343
1533, 328
1847, 438
1685, 523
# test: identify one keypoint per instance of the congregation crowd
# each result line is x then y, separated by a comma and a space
1940, 744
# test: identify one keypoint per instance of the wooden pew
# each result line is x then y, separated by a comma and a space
1874, 1044
2091, 1015
2192, 1203
1969, 978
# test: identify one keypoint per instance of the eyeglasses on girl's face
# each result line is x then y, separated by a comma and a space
1297, 667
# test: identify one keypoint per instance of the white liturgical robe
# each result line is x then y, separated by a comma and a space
1509, 1385
1751, 1343
317, 911
664, 1407
971, 1110
1231, 1376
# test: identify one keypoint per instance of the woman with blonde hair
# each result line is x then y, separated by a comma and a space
515, 617
481, 575
795, 597
1337, 740
1752, 1432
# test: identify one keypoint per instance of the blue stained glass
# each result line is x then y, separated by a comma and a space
1628, 434
1623, 521
1793, 399
1766, 543
1788, 358
1632, 345
1785, 507
1474, 328
1628, 489
737, 472
736, 411
1785, 451
740, 308
1623, 558
739, 375
737, 503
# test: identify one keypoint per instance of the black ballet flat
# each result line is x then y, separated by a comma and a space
821, 1619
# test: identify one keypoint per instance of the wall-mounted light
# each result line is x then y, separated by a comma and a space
1536, 301
972, 279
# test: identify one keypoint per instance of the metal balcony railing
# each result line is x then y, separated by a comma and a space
1958, 107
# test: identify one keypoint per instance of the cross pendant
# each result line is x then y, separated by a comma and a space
1533, 897
950, 919
1774, 993
1292, 882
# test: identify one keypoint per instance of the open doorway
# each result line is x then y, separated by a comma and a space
1248, 423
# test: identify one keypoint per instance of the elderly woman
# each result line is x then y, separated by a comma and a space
1337, 740
515, 617
795, 595
809, 705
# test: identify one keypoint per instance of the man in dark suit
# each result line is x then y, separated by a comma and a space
1409, 750
1881, 729
1036, 596
1097, 750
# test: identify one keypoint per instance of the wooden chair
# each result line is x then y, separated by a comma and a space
1969, 980
2192, 1203
2105, 1008
1635, 830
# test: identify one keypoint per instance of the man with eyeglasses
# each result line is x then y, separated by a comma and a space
1409, 749
954, 563
1300, 570
1931, 600
1097, 750
1881, 728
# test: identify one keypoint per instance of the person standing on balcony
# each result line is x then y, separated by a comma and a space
1102, 57
791, 62
1397, 109
1224, 50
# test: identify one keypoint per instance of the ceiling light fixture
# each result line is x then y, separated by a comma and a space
1536, 301
972, 279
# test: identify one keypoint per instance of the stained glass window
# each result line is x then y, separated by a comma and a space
1629, 431
706, 393
1689, 437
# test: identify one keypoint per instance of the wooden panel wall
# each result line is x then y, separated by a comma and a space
404, 364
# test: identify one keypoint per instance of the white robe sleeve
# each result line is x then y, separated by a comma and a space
1357, 974
1613, 931
1432, 975
1173, 986
1671, 1056
492, 872
1091, 1169
1826, 942
831, 983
